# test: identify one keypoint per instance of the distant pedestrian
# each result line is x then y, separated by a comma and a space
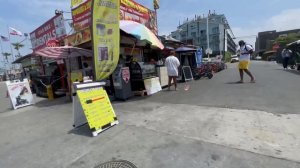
172, 63
244, 61
286, 54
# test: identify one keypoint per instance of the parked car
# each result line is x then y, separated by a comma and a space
234, 58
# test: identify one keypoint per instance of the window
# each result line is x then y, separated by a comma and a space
194, 34
215, 30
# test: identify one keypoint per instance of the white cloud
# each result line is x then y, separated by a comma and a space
286, 20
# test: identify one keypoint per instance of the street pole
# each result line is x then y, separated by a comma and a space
207, 36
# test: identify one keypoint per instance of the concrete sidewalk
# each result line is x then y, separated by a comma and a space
149, 135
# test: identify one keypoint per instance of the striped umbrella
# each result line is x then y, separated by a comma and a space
141, 32
63, 52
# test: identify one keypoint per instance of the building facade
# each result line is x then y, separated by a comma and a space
265, 40
219, 32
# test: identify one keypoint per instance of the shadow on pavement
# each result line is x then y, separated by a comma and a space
57, 101
293, 71
82, 131
235, 83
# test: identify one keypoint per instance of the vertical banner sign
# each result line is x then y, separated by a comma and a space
198, 55
106, 36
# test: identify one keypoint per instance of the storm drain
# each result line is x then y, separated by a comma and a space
117, 164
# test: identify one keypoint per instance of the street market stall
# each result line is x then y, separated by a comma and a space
68, 56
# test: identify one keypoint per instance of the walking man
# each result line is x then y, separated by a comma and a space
286, 54
244, 61
172, 63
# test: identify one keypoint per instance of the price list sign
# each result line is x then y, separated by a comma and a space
96, 107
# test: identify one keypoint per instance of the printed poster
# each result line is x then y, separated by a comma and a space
97, 107
20, 93
106, 37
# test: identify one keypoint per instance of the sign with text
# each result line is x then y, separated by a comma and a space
106, 37
19, 93
76, 3
96, 106
78, 38
82, 16
52, 29
131, 10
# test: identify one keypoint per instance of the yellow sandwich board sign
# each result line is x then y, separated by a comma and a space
96, 106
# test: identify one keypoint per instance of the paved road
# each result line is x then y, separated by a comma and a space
276, 90
170, 129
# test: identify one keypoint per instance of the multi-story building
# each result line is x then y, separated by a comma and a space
195, 32
265, 40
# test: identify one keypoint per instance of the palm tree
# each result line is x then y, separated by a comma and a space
6, 55
17, 47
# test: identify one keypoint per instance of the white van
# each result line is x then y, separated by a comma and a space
234, 58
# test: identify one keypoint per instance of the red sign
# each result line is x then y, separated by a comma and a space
126, 74
82, 16
52, 29
52, 43
131, 10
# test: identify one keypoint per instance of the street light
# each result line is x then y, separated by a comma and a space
208, 50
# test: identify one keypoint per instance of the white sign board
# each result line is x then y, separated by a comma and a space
19, 93
152, 85
208, 51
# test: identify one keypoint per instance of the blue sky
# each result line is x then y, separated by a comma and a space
246, 17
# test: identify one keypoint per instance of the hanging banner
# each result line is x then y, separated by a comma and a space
131, 10
19, 93
82, 16
198, 55
106, 37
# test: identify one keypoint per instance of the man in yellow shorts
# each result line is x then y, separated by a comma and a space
244, 61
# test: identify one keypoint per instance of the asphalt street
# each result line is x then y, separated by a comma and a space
216, 123
275, 91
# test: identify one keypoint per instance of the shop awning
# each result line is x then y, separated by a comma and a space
141, 32
185, 49
63, 52
268, 53
19, 60
294, 43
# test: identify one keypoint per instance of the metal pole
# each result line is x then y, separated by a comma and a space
156, 21
207, 36
12, 53
3, 60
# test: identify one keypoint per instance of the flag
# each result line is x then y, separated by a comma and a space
15, 32
156, 4
3, 38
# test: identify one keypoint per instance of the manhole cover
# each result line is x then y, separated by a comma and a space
117, 164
